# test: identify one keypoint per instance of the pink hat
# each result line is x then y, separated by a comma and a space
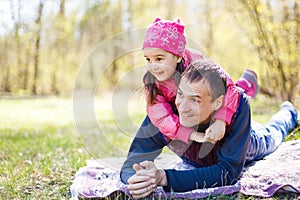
166, 35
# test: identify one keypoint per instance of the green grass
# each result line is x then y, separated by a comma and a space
41, 149
38, 163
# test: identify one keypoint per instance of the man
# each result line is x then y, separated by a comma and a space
201, 92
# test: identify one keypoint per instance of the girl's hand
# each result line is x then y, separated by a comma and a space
197, 137
215, 132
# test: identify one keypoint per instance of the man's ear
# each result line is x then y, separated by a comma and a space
218, 102
179, 59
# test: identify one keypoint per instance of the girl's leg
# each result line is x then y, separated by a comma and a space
266, 139
248, 83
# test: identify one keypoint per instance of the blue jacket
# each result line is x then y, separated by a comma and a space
216, 165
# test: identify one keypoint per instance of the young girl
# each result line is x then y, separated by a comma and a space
166, 56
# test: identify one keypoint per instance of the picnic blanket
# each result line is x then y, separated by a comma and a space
277, 172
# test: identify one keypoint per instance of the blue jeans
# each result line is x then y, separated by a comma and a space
266, 138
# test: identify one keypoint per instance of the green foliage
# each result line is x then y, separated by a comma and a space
276, 40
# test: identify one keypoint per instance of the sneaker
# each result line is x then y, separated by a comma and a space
286, 104
248, 82
290, 107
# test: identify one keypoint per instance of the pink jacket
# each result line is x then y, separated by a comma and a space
162, 115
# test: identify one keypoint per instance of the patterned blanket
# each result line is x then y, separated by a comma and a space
278, 172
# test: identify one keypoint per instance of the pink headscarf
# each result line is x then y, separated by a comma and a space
166, 35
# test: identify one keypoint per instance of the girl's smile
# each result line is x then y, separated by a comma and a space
160, 63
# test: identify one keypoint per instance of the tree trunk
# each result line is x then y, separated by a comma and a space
37, 49
170, 6
17, 22
26, 69
7, 87
210, 36
59, 44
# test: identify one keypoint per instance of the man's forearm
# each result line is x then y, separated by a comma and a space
146, 145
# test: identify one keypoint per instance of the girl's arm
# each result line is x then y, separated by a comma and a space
190, 56
223, 115
230, 103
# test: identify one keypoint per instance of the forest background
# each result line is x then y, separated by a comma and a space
44, 43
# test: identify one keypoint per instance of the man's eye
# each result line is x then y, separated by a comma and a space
159, 59
148, 59
196, 100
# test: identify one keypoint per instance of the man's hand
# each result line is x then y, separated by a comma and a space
215, 132
146, 179
140, 186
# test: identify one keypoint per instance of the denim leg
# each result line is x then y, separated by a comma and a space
283, 121
265, 139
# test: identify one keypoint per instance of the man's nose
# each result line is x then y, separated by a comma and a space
184, 105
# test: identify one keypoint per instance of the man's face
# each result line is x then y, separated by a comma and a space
193, 102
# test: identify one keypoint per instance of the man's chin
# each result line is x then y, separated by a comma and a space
187, 123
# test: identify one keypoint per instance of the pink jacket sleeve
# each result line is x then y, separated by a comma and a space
230, 103
191, 55
163, 117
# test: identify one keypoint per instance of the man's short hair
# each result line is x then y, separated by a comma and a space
211, 73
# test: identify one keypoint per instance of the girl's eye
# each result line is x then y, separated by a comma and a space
148, 59
179, 94
159, 59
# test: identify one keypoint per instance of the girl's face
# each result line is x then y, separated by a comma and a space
160, 63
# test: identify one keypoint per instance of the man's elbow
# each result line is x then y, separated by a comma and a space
126, 171
232, 180
232, 177
124, 177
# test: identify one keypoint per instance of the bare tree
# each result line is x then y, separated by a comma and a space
26, 73
7, 71
59, 45
170, 7
276, 29
17, 24
210, 36
37, 48
90, 35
